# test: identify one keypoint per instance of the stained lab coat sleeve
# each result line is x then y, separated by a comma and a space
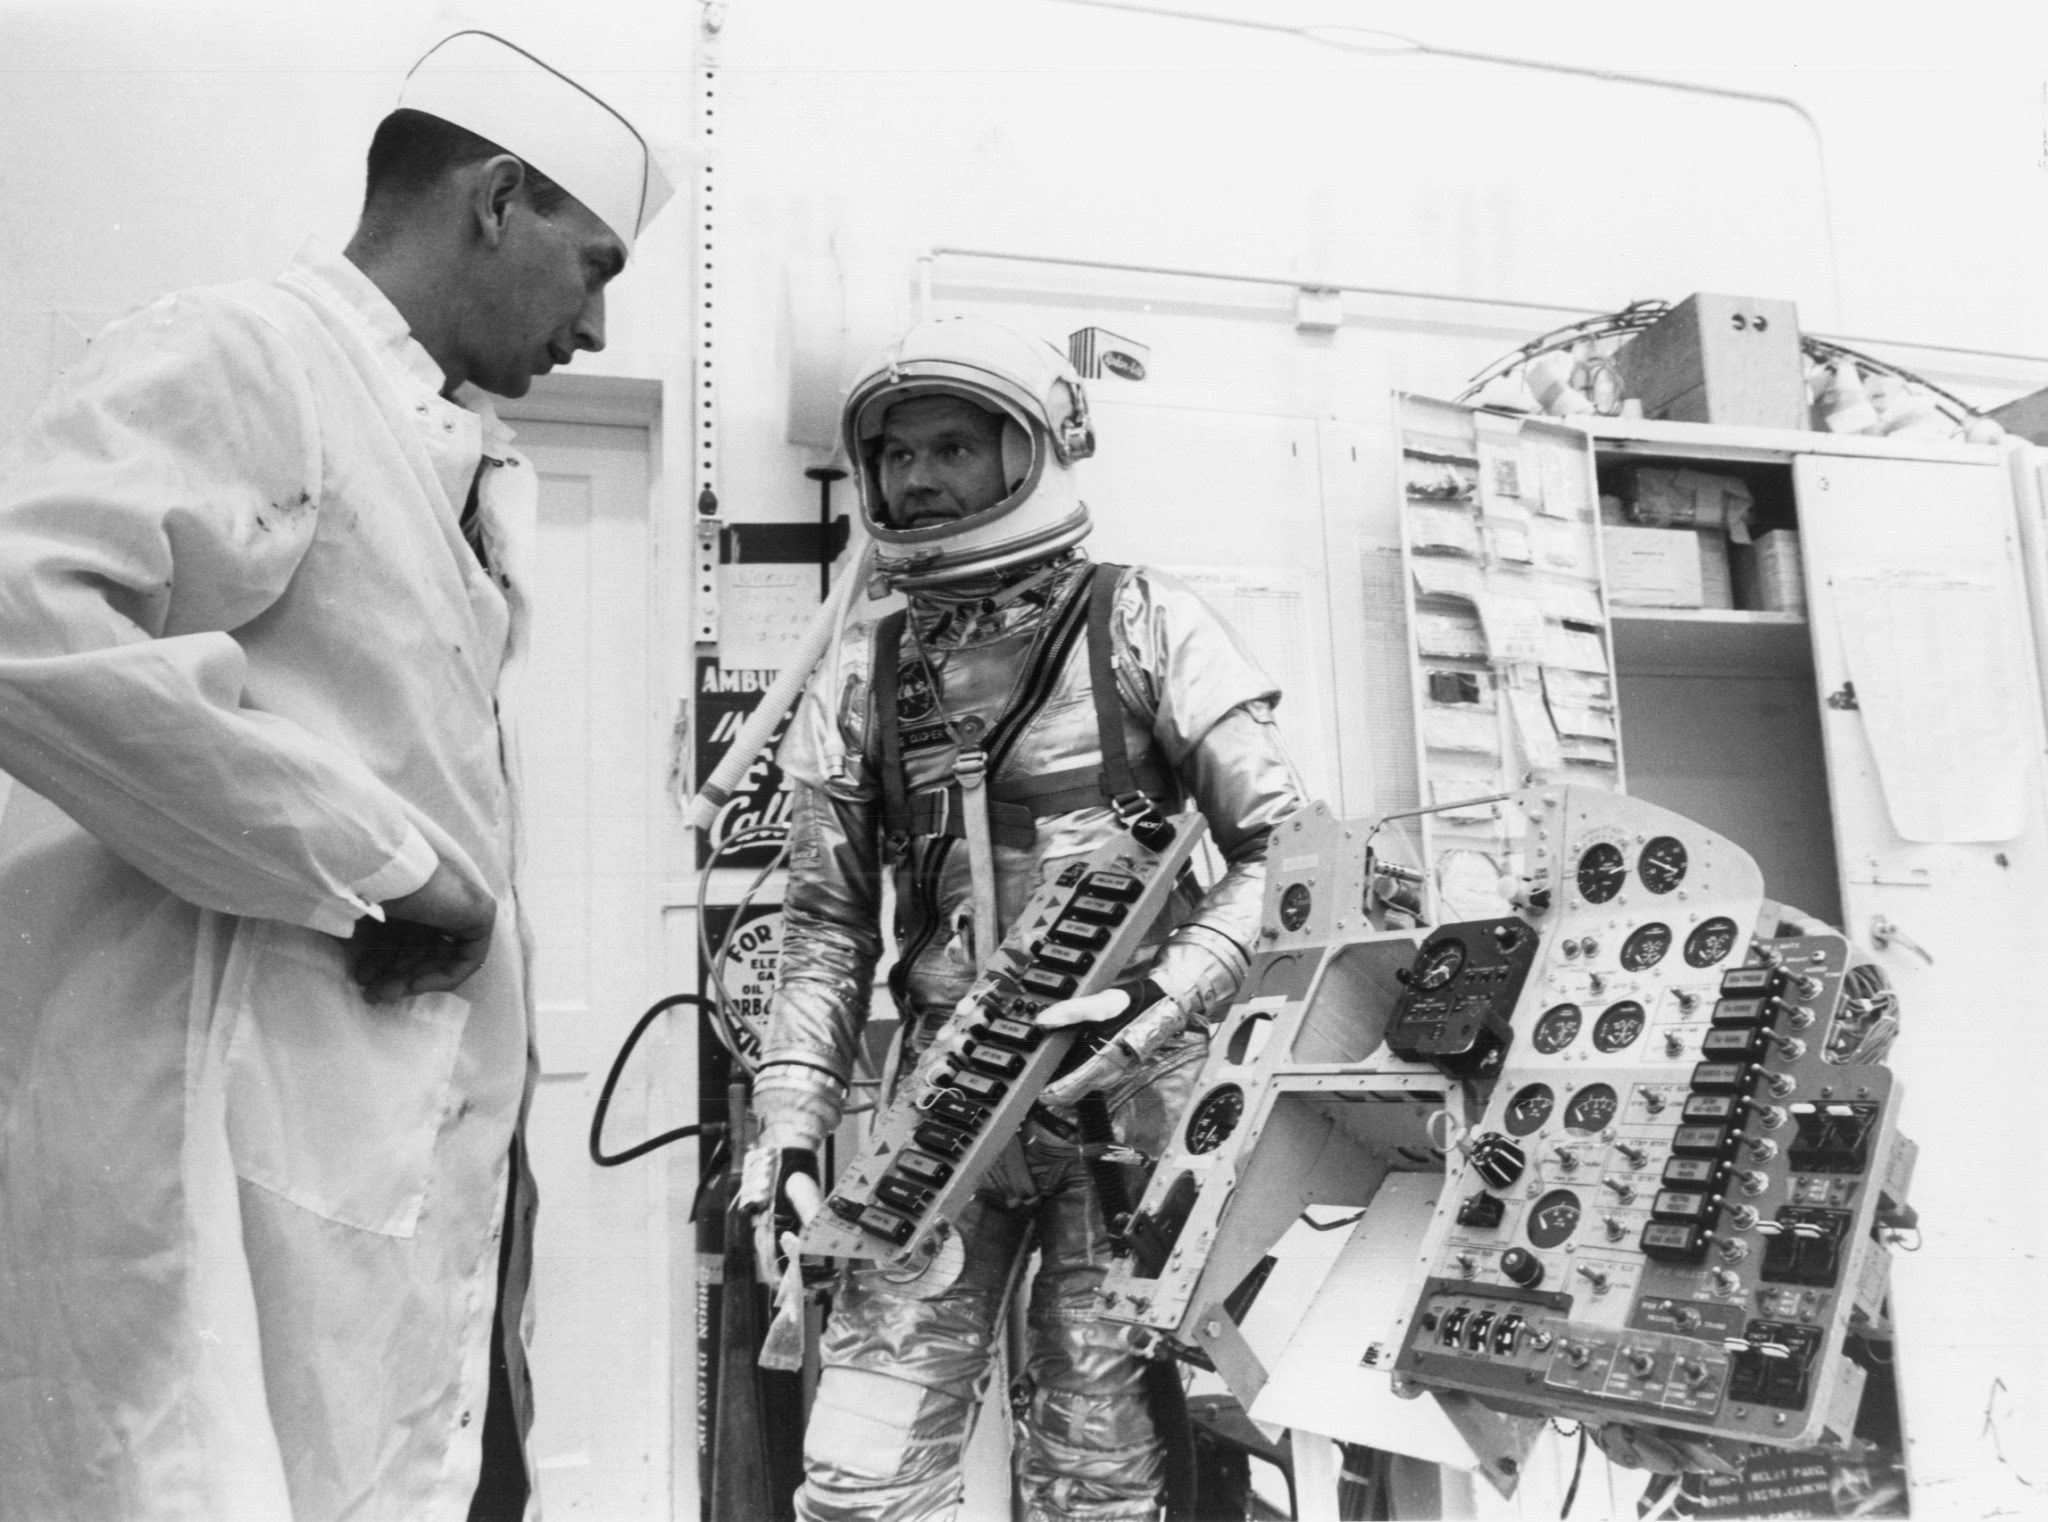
160, 502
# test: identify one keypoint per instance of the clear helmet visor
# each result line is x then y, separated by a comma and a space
1037, 510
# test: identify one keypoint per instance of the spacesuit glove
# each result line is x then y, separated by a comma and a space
1138, 1019
779, 1188
797, 1106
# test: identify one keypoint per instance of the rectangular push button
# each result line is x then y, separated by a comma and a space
908, 1197
1669, 1242
1079, 935
1680, 1205
1702, 1141
1684, 1172
942, 1141
1734, 1042
1064, 958
1752, 982
1712, 1107
1120, 886
994, 1061
1723, 1078
980, 1088
1746, 1012
926, 1170
1097, 911
1048, 985
955, 1111
1018, 1033
886, 1224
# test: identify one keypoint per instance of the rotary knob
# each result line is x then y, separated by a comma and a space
1521, 1267
1498, 1160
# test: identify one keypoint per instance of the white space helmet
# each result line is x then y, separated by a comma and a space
1045, 429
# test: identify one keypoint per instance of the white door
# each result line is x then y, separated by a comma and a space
1918, 605
588, 740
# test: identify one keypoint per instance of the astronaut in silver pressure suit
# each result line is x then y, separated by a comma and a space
963, 438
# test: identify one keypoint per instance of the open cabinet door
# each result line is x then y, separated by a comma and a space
1932, 727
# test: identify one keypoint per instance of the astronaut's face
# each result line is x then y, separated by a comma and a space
941, 460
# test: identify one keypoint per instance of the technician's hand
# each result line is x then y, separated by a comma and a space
429, 941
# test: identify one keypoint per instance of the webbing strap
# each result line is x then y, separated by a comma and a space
895, 794
972, 770
1117, 781
1015, 808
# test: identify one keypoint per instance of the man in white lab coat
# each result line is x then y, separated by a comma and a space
264, 1018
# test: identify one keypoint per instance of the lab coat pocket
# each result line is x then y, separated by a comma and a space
333, 1103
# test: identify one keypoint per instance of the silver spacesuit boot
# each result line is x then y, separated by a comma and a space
995, 728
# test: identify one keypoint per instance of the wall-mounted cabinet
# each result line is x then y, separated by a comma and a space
1880, 755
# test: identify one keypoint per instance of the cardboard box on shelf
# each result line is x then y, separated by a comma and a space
1652, 567
1769, 574
1717, 582
1720, 359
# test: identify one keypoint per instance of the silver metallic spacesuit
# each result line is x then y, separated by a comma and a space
996, 719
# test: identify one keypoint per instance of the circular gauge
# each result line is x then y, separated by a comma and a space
1554, 1032
1295, 904
1662, 864
1710, 942
1215, 1117
1530, 1107
1645, 947
1601, 873
1591, 1108
1553, 1219
1618, 1028
1438, 963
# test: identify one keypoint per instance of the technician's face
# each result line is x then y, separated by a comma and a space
542, 297
941, 459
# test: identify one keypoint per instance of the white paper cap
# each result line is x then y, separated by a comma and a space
486, 85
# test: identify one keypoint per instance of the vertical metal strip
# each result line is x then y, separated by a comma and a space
704, 270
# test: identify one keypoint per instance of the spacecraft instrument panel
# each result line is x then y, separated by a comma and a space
1669, 1155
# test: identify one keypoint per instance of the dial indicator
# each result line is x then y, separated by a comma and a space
1553, 1219
1439, 963
1602, 871
1617, 1029
1645, 947
1591, 1108
1295, 904
1662, 864
1710, 942
1215, 1117
1556, 1030
1530, 1107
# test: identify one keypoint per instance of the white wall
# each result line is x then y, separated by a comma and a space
148, 146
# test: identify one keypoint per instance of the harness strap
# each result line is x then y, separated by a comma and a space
1118, 783
896, 826
971, 767
1015, 807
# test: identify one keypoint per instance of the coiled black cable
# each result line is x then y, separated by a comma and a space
605, 1159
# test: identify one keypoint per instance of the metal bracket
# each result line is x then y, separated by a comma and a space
1499, 1442
1230, 1353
